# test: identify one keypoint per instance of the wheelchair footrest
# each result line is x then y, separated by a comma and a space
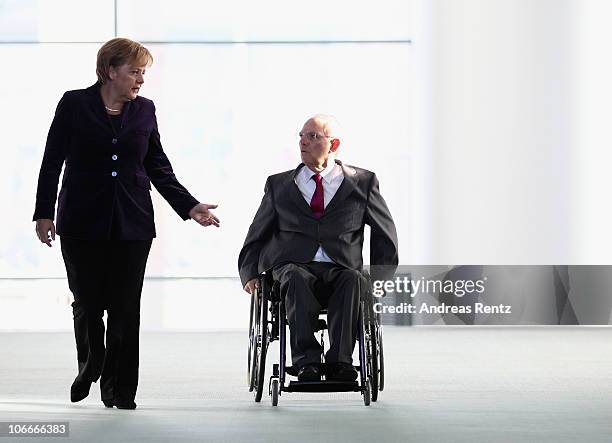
293, 370
322, 386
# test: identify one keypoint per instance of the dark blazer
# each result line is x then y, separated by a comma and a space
108, 174
284, 229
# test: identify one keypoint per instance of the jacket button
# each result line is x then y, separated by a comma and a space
114, 141
114, 157
114, 173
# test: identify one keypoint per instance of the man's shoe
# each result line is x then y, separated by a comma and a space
341, 372
309, 373
125, 404
79, 390
108, 403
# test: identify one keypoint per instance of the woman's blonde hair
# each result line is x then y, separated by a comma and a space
119, 51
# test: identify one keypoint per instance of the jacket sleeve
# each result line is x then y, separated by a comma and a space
260, 232
162, 176
383, 236
53, 160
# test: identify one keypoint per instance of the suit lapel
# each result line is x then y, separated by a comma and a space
96, 106
132, 108
296, 194
348, 185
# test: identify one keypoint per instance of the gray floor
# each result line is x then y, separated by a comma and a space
488, 384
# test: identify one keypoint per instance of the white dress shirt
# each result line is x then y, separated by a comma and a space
332, 177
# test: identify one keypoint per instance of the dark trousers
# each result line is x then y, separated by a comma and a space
309, 287
107, 275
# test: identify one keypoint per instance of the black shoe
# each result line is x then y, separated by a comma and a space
309, 373
79, 390
125, 404
119, 404
341, 372
108, 403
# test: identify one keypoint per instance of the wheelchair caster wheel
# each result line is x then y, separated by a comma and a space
367, 393
274, 392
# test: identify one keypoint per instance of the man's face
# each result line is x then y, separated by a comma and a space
127, 80
315, 146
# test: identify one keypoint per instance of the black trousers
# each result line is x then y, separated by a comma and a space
309, 287
107, 275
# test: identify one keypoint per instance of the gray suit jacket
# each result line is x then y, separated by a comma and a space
285, 230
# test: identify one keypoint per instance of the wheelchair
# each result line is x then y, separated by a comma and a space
268, 323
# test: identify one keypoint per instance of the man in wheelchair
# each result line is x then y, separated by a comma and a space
309, 232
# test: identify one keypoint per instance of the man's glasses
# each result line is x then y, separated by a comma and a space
313, 136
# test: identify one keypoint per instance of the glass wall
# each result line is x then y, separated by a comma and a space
233, 83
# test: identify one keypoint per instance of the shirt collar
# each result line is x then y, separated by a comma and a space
328, 174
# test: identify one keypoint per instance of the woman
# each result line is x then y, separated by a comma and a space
107, 136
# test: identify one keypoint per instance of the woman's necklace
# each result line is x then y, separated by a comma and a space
112, 110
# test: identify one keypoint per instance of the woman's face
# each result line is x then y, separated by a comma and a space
126, 80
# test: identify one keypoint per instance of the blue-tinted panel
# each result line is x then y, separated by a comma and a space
228, 117
29, 93
56, 20
267, 20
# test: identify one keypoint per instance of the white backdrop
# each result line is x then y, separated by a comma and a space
488, 130
232, 91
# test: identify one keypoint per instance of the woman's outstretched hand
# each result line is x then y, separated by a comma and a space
201, 214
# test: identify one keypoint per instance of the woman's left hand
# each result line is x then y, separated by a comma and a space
201, 214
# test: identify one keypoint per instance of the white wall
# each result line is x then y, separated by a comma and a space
592, 136
498, 154
233, 83
502, 120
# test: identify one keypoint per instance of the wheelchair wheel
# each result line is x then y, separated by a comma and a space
373, 355
261, 340
381, 359
254, 315
372, 349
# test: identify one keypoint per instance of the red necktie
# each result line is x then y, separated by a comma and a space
316, 204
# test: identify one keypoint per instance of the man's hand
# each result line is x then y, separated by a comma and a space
251, 285
44, 227
201, 214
